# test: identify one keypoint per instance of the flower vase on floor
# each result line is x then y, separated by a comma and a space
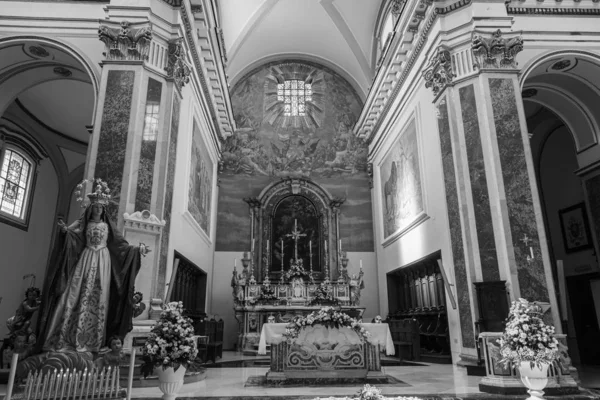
535, 379
170, 381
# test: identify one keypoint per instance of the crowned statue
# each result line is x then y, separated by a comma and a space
89, 290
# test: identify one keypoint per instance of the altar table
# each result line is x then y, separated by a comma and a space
328, 355
380, 335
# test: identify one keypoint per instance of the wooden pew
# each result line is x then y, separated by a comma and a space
405, 335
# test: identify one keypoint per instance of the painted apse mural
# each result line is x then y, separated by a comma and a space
200, 182
294, 119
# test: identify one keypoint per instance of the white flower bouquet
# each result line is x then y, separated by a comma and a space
526, 337
328, 317
171, 341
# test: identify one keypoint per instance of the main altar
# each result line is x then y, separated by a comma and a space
325, 353
296, 264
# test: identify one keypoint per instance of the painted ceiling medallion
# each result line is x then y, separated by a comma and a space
38, 51
529, 93
294, 96
62, 71
563, 65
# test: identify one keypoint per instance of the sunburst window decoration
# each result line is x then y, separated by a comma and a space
294, 96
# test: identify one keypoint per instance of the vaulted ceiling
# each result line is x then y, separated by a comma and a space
336, 33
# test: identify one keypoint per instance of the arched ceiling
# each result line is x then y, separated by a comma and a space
337, 33
48, 82
569, 86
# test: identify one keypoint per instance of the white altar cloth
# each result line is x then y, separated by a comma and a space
273, 334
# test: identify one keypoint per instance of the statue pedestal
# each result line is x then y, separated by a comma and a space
138, 335
143, 227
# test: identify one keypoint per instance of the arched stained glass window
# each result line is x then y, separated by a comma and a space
15, 180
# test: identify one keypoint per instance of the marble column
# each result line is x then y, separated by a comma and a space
135, 133
439, 76
502, 231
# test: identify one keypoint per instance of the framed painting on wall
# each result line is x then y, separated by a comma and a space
200, 182
575, 228
401, 185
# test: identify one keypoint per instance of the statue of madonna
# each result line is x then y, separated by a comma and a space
90, 282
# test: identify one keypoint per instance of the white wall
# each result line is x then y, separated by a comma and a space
27, 252
187, 238
432, 234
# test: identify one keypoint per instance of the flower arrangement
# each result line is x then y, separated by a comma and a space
296, 269
171, 342
323, 295
526, 337
369, 392
267, 293
328, 317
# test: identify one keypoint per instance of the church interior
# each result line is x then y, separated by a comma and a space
413, 166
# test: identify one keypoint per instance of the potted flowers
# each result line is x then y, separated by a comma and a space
529, 344
169, 349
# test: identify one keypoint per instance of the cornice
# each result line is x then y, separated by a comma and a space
220, 110
539, 7
420, 25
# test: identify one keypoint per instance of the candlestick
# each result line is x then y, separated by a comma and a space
252, 249
310, 253
282, 255
361, 263
340, 246
531, 252
235, 262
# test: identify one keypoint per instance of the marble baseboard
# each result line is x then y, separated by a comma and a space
588, 395
264, 381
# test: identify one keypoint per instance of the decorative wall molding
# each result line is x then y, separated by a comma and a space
178, 69
144, 221
204, 48
496, 51
438, 74
125, 41
556, 7
398, 63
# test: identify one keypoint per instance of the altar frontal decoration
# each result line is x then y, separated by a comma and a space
327, 317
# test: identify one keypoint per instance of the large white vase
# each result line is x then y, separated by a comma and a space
535, 379
170, 381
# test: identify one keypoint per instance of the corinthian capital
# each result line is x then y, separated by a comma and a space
178, 68
438, 73
125, 41
496, 51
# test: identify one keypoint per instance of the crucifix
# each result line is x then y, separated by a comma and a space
295, 235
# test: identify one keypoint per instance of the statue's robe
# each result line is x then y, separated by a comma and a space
125, 264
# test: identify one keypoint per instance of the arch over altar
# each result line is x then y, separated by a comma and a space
296, 204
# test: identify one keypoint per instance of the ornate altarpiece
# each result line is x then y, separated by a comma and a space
311, 214
263, 214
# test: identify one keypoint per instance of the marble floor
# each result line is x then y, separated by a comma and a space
421, 380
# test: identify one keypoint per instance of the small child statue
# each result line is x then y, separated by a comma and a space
138, 306
22, 319
114, 357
